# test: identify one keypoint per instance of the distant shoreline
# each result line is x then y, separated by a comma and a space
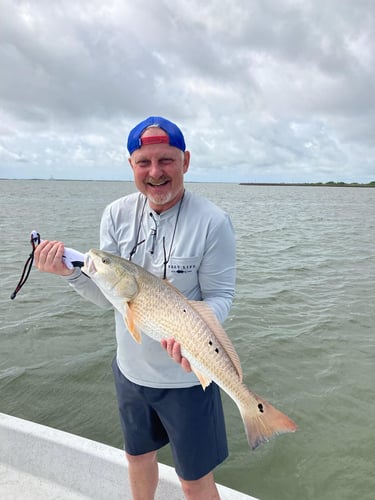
310, 184
281, 184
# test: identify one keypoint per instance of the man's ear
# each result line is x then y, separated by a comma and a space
186, 161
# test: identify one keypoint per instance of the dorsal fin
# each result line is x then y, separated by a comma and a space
207, 314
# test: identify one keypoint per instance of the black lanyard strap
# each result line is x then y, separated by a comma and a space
34, 240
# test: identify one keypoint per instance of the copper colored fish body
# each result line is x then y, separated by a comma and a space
154, 307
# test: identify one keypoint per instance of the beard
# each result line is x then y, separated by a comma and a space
162, 198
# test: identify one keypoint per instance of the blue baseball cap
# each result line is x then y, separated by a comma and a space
175, 137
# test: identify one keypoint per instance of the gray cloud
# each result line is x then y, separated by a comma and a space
264, 90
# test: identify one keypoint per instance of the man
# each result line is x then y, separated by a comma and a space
180, 236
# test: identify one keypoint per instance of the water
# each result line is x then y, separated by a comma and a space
303, 322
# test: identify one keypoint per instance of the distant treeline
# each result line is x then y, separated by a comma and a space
318, 184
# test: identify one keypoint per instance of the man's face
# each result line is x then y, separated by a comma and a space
159, 171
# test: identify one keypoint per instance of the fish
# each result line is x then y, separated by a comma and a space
154, 307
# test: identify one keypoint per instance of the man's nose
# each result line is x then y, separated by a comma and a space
155, 169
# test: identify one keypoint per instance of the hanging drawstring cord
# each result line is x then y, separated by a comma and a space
34, 240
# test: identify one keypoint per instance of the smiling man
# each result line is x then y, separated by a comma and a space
177, 235
159, 170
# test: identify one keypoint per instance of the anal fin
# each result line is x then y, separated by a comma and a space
205, 381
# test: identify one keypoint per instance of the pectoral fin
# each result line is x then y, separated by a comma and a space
130, 324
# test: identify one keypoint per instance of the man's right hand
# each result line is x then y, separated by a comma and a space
48, 258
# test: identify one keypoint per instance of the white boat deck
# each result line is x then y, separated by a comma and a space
41, 463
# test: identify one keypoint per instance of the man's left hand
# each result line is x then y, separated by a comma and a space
173, 348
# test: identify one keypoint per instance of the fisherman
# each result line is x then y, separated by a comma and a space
177, 235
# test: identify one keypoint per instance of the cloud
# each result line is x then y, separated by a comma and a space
264, 90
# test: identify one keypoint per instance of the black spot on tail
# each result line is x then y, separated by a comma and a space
260, 407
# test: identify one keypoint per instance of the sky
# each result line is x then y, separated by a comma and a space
263, 90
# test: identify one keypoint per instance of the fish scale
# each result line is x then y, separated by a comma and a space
179, 319
200, 353
153, 307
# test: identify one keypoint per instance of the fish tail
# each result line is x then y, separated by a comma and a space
265, 422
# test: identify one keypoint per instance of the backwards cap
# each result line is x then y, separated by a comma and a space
175, 137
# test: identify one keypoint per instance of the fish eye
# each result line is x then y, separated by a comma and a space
105, 260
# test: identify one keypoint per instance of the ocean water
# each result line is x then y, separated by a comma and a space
303, 322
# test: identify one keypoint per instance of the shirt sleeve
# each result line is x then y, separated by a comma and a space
84, 285
108, 241
217, 272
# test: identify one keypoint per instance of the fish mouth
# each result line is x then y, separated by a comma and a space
89, 266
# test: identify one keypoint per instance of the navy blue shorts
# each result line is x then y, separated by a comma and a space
190, 419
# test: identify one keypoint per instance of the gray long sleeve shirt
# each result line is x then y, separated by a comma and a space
201, 265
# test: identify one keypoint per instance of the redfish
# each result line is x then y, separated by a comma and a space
153, 307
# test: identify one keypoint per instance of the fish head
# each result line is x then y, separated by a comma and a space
115, 276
